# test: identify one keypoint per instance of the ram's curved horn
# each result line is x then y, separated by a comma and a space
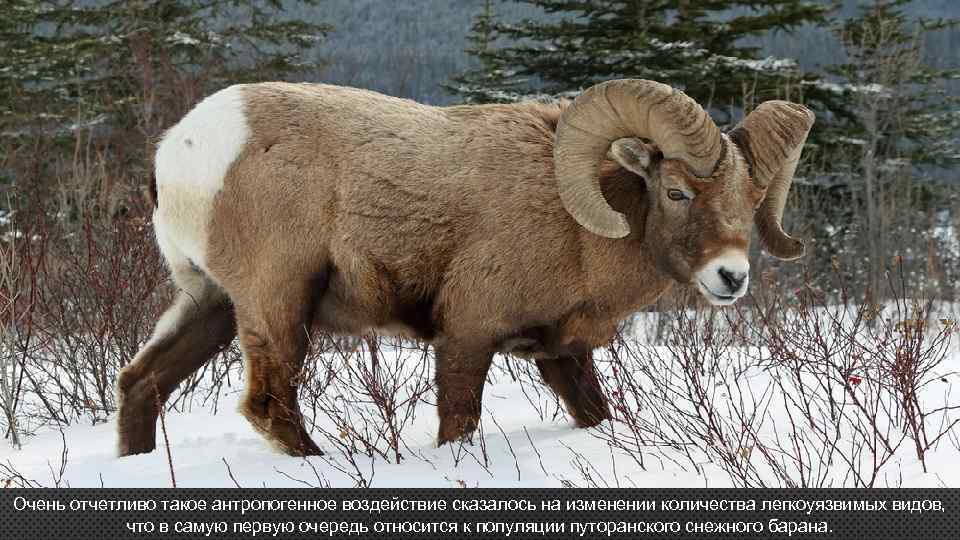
771, 138
626, 108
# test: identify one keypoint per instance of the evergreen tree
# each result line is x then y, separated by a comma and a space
899, 102
493, 80
125, 70
698, 46
894, 155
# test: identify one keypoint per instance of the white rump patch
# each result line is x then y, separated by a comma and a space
192, 160
202, 146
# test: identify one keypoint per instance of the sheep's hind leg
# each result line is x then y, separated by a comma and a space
574, 380
273, 335
460, 376
197, 326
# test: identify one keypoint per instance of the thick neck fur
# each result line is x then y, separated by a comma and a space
618, 276
621, 274
622, 271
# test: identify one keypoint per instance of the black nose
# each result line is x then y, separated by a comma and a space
733, 280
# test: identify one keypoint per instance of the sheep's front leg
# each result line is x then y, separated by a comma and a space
460, 375
574, 380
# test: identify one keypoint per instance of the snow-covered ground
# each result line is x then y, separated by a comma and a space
202, 444
526, 441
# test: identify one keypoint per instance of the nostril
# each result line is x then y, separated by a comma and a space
733, 280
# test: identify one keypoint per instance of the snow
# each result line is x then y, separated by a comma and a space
526, 440
180, 38
851, 140
873, 89
948, 239
673, 45
203, 443
768, 64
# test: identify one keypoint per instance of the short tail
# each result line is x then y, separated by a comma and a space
154, 199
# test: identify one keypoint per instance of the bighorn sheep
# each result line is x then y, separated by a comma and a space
529, 228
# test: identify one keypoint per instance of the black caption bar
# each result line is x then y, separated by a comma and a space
63, 514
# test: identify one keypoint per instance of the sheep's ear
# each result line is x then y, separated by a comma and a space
635, 155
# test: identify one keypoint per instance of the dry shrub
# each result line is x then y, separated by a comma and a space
85, 287
792, 389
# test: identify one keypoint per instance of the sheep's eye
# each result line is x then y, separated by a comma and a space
677, 195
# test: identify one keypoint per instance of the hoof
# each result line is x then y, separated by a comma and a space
591, 417
127, 449
456, 428
136, 428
